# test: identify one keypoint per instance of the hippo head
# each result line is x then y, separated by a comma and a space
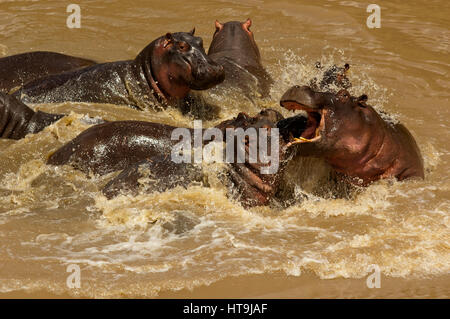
176, 63
333, 77
351, 136
254, 187
235, 36
337, 127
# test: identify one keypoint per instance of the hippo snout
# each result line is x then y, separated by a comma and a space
207, 75
300, 95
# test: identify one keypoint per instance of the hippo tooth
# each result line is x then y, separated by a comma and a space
302, 139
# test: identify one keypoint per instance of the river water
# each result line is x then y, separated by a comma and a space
319, 246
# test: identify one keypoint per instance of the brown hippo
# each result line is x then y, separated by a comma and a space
234, 47
19, 69
143, 149
347, 132
162, 74
352, 137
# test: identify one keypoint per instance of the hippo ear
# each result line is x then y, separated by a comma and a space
247, 24
168, 39
362, 100
192, 31
219, 25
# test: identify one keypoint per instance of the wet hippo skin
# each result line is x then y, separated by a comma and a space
20, 69
234, 47
352, 137
138, 148
18, 120
162, 74
333, 78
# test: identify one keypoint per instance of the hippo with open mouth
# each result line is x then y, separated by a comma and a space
348, 133
351, 136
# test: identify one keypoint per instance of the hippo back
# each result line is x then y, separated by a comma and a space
114, 146
17, 70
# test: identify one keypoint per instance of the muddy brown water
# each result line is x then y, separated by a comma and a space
319, 246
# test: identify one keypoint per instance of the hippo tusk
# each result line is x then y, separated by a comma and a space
302, 139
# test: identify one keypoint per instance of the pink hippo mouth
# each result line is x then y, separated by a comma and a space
315, 123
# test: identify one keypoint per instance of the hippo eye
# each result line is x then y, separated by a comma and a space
183, 46
343, 95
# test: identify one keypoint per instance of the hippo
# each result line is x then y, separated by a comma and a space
18, 120
143, 149
161, 75
17, 70
233, 46
349, 134
335, 77
352, 137
164, 71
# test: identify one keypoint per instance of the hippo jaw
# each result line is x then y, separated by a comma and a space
304, 99
206, 75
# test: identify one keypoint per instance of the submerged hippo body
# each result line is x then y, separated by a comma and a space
352, 137
18, 120
162, 74
234, 47
18, 70
160, 174
113, 146
143, 150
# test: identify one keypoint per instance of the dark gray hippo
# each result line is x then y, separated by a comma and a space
20, 69
162, 74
